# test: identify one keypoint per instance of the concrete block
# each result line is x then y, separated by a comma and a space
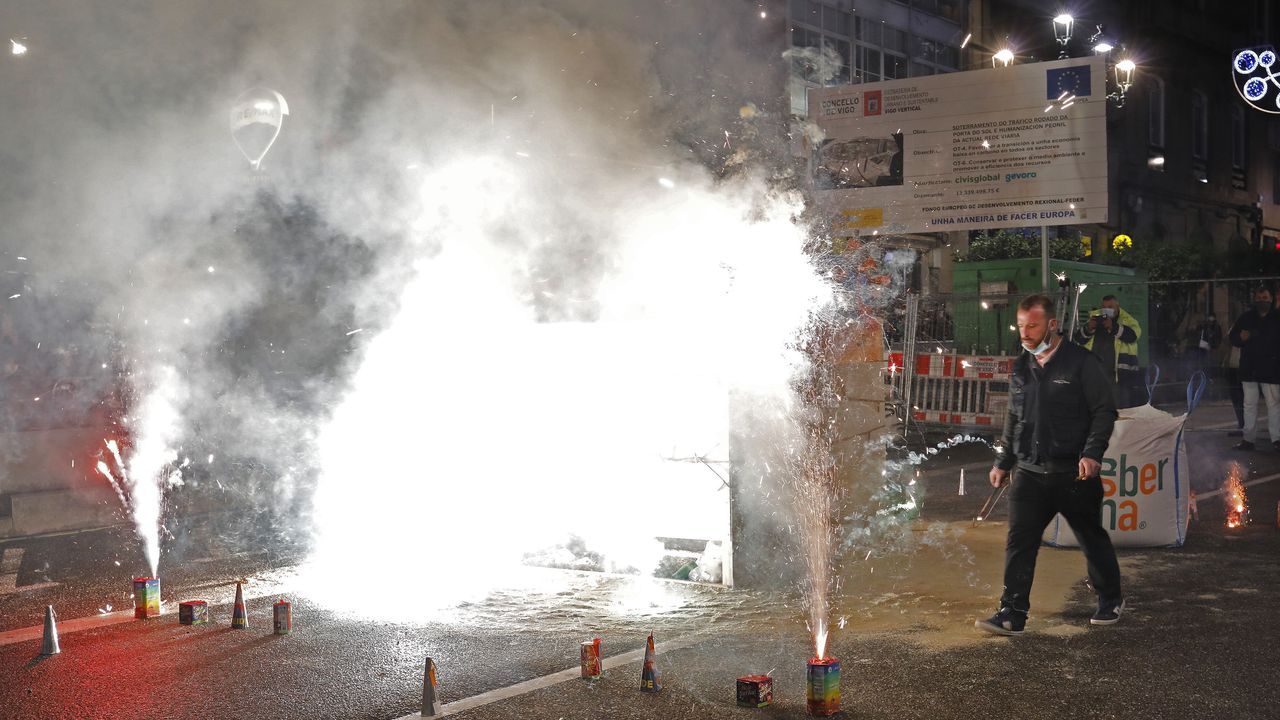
57, 510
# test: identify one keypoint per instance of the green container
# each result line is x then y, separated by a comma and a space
985, 331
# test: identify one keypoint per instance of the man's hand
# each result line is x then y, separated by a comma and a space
1093, 325
1088, 468
1244, 336
998, 477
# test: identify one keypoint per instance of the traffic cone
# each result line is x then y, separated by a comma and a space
239, 617
430, 702
50, 646
649, 671
962, 481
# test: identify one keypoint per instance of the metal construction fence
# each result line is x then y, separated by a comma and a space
962, 346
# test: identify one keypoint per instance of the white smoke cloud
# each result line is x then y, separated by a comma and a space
473, 186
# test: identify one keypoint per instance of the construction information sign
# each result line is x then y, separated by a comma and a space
1021, 146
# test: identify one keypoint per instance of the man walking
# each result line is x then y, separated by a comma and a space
1061, 412
1257, 333
1112, 334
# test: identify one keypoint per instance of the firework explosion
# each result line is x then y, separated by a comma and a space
1233, 496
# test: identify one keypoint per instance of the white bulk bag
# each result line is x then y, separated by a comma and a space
1146, 485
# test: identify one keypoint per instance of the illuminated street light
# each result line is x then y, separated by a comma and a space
1062, 26
1004, 57
1124, 74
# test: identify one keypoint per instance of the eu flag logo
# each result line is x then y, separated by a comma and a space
1073, 80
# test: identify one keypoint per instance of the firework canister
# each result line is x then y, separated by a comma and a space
591, 665
239, 612
649, 681
146, 597
755, 691
193, 612
283, 617
822, 686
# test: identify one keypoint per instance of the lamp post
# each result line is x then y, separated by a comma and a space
1062, 26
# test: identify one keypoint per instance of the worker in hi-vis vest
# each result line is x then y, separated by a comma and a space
1112, 334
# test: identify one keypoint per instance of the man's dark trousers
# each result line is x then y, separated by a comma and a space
1034, 499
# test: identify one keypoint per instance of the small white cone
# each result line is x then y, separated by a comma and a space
961, 481
430, 703
50, 646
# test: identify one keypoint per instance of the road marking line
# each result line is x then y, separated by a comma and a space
1247, 483
546, 681
36, 632
69, 626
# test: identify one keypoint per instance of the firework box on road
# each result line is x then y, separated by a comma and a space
755, 691
1146, 485
146, 597
193, 612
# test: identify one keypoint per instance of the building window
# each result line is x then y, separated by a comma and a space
868, 31
895, 66
1199, 126
869, 50
1239, 147
1155, 112
1275, 179
868, 64
835, 21
895, 39
1239, 141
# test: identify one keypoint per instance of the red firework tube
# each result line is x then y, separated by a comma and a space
283, 617
822, 686
146, 597
592, 668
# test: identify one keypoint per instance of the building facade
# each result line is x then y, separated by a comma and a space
837, 42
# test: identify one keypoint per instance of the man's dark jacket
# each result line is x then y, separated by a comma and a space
1260, 354
1057, 414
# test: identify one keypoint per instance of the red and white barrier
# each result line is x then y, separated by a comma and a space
956, 390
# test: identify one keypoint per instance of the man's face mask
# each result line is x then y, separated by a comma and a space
1035, 349
1109, 312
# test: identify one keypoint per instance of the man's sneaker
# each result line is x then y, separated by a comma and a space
1276, 444
1006, 622
1108, 613
1243, 445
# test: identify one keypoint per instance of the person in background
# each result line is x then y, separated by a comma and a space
1112, 334
1056, 430
1257, 333
1235, 391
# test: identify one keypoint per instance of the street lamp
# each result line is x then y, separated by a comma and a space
1003, 58
1124, 74
1062, 26
1100, 42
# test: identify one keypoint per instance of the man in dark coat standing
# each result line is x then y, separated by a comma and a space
1257, 333
1061, 413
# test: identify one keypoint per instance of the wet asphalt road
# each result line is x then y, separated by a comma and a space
1199, 639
